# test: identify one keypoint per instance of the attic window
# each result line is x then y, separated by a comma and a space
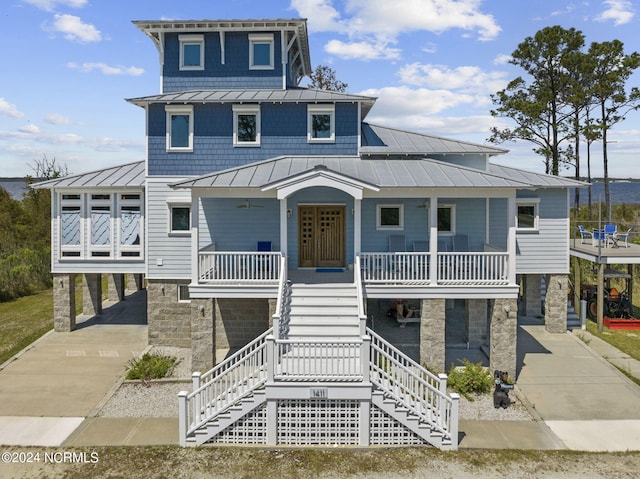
261, 55
191, 52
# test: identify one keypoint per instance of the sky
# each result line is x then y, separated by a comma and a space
68, 66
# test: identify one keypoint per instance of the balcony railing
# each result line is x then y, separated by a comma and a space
239, 266
466, 268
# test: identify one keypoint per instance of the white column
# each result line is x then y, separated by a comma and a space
195, 241
433, 238
283, 226
357, 227
511, 238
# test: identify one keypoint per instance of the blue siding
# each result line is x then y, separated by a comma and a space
283, 132
234, 74
471, 214
498, 222
239, 229
416, 224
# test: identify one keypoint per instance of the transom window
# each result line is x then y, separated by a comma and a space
191, 52
321, 123
390, 217
246, 125
179, 127
527, 215
261, 51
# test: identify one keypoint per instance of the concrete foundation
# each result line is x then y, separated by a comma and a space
64, 302
503, 334
555, 311
476, 322
432, 338
169, 319
203, 351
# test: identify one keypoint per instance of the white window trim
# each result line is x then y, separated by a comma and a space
535, 202
179, 110
261, 38
380, 226
321, 109
94, 248
71, 248
246, 110
452, 207
191, 39
130, 248
177, 204
186, 285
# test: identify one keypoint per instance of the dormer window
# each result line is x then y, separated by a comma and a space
261, 51
191, 52
321, 124
246, 125
179, 127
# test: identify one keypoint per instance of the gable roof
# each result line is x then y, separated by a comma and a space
378, 140
382, 173
131, 175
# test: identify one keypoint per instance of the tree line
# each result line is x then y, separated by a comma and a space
568, 95
25, 236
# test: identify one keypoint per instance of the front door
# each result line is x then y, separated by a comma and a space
321, 236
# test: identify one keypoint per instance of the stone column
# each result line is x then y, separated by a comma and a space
92, 294
115, 287
476, 322
133, 282
203, 349
432, 340
504, 336
555, 305
532, 295
64, 302
222, 335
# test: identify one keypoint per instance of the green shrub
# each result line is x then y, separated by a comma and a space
150, 366
470, 379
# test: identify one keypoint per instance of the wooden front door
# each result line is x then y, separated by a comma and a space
321, 236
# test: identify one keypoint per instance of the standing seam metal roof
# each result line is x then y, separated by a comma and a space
131, 175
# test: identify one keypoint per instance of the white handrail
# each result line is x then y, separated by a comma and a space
357, 276
280, 313
246, 266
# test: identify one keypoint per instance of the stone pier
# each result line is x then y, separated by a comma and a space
504, 336
64, 302
432, 339
92, 294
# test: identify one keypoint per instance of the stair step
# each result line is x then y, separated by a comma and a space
320, 310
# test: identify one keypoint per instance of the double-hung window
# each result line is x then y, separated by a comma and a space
527, 215
179, 128
390, 217
321, 123
191, 52
246, 125
71, 225
261, 55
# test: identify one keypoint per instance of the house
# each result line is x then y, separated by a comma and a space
270, 220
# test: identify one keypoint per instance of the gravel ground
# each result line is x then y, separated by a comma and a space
160, 398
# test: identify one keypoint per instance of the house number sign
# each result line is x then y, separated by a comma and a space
318, 393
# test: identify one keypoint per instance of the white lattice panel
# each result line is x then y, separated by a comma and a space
306, 422
251, 429
386, 430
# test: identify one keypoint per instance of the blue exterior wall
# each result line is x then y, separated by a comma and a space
234, 74
283, 132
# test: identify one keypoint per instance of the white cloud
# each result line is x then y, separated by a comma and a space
618, 11
361, 50
75, 30
30, 129
502, 59
321, 14
56, 119
463, 78
49, 5
403, 101
9, 109
106, 69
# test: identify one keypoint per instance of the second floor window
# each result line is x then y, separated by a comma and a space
191, 52
261, 52
246, 125
179, 127
320, 123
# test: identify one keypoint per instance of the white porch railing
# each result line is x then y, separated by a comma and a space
465, 268
234, 266
473, 268
395, 267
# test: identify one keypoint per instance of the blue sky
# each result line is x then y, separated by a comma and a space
68, 65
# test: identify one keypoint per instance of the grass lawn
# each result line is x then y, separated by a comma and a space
23, 321
626, 341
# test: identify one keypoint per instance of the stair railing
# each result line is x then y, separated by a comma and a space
413, 387
281, 315
221, 387
357, 277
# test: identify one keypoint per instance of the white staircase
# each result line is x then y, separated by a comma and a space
324, 311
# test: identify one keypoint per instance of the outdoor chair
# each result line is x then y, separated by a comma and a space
609, 234
263, 263
443, 245
584, 234
617, 237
